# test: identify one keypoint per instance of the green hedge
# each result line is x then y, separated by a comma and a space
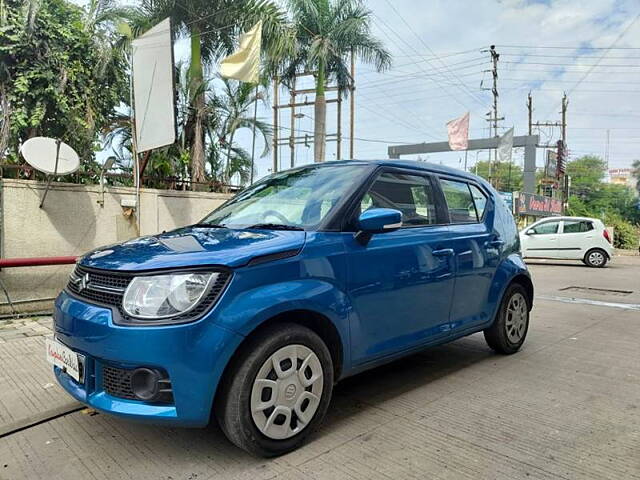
625, 233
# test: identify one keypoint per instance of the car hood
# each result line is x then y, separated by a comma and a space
192, 247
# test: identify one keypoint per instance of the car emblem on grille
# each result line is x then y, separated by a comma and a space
82, 282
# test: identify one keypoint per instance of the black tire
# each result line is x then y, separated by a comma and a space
496, 335
595, 258
233, 402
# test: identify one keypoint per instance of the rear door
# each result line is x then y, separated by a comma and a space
542, 240
575, 238
477, 250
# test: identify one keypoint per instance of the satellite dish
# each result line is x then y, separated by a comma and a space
42, 154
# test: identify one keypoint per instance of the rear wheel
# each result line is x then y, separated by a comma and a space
595, 258
509, 329
277, 391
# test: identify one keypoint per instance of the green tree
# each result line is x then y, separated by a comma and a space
503, 177
235, 110
635, 166
616, 205
212, 27
55, 76
327, 32
587, 174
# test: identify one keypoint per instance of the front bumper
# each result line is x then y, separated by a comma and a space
194, 355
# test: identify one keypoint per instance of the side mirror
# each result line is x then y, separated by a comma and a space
377, 220
529, 232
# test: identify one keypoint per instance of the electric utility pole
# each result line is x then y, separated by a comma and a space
493, 116
530, 109
562, 150
562, 124
495, 56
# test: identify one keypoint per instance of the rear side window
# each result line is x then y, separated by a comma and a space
459, 201
577, 226
411, 194
480, 200
546, 228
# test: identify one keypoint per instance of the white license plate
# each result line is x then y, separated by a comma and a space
63, 357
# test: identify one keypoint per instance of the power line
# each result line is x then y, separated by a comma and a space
577, 47
566, 56
456, 99
611, 47
575, 64
420, 66
371, 140
421, 40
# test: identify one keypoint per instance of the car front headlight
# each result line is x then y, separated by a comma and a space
165, 296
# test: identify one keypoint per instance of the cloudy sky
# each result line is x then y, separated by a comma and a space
588, 49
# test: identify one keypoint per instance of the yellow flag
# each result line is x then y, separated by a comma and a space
244, 64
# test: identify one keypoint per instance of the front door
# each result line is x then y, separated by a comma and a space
542, 240
400, 282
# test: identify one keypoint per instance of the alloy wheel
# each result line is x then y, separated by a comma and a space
516, 321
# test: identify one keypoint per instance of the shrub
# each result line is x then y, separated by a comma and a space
625, 233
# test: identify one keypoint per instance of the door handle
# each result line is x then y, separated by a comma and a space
495, 243
443, 252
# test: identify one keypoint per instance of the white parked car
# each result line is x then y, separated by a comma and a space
568, 238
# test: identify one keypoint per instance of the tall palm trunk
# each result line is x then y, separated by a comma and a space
4, 120
320, 117
197, 149
226, 178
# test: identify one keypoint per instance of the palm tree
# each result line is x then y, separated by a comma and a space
235, 110
213, 27
327, 33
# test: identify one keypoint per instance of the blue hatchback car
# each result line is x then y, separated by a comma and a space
307, 277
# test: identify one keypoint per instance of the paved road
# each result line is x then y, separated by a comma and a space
567, 406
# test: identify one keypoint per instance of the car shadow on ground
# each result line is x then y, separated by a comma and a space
349, 413
558, 263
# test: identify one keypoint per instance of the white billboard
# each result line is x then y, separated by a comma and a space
153, 89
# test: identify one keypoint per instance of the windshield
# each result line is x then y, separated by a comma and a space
297, 199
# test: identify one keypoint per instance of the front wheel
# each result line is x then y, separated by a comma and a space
277, 391
509, 329
595, 258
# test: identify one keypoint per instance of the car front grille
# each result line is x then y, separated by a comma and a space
117, 383
106, 288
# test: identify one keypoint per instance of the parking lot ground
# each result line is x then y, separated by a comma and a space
566, 406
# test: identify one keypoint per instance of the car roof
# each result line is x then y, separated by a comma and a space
410, 164
568, 218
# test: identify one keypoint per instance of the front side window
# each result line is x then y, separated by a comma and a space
459, 201
298, 198
411, 194
577, 226
546, 228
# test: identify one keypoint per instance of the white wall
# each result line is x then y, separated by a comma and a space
72, 222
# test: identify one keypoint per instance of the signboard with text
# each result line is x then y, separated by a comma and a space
537, 205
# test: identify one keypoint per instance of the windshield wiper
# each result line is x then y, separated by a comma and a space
207, 225
275, 226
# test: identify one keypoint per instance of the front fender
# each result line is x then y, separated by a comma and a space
251, 308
